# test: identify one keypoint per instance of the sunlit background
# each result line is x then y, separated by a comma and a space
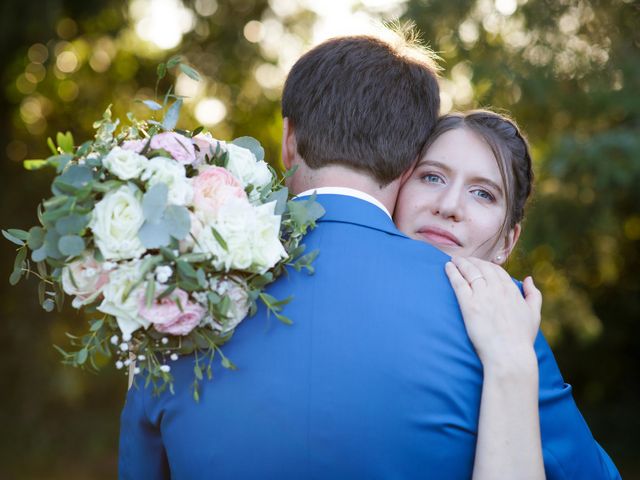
567, 70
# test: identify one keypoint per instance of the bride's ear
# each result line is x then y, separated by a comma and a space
508, 244
289, 145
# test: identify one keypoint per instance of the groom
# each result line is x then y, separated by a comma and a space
376, 378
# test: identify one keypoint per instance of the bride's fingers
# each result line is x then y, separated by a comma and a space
532, 296
470, 272
460, 285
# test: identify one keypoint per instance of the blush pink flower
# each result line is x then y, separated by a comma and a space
212, 188
164, 311
206, 144
178, 146
188, 319
133, 145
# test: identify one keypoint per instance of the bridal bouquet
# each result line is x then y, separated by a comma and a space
165, 238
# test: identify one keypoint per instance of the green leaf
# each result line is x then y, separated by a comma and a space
173, 61
197, 131
97, 325
161, 71
15, 277
177, 220
190, 72
219, 239
40, 254
52, 146
280, 197
283, 319
71, 245
152, 105
36, 238
171, 117
149, 293
197, 371
60, 161
42, 288
33, 164
20, 258
186, 269
154, 235
154, 202
55, 202
65, 141
76, 176
81, 356
72, 224
202, 278
251, 144
12, 238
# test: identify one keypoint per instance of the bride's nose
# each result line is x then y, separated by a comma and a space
449, 204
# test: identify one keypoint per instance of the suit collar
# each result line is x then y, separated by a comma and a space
347, 209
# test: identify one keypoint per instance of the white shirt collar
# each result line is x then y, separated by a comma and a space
349, 192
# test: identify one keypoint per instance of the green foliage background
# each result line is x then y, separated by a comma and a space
568, 71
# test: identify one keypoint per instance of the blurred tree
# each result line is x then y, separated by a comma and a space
569, 72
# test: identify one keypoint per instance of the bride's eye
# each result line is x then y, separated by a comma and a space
432, 178
483, 194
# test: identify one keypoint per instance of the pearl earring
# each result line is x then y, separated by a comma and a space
499, 258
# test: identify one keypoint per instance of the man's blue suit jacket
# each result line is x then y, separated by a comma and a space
376, 378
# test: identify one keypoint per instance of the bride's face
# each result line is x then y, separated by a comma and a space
455, 199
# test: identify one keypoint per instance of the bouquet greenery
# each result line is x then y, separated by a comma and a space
166, 238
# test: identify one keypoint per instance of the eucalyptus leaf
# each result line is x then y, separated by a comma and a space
171, 117
71, 245
14, 278
76, 176
190, 72
72, 224
51, 239
154, 202
40, 254
177, 220
154, 235
161, 71
12, 238
152, 105
280, 197
173, 61
81, 356
251, 144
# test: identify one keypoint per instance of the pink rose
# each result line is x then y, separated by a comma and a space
85, 279
188, 319
207, 146
178, 146
133, 145
213, 187
167, 317
165, 310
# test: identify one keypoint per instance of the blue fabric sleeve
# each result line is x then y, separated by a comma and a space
141, 452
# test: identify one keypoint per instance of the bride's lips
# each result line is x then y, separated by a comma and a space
439, 236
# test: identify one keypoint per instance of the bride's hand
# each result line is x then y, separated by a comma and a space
501, 323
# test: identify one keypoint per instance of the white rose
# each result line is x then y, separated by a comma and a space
233, 224
267, 248
246, 168
251, 234
124, 310
236, 290
124, 164
173, 175
115, 222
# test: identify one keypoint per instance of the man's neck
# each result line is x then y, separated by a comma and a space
339, 176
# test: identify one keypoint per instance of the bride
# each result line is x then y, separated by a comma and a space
466, 196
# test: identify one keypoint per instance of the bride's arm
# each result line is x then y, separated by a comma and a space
502, 326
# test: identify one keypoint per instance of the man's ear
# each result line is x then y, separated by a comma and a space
508, 245
289, 145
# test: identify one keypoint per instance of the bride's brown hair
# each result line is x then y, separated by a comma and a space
509, 147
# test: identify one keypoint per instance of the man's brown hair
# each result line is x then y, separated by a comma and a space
363, 103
